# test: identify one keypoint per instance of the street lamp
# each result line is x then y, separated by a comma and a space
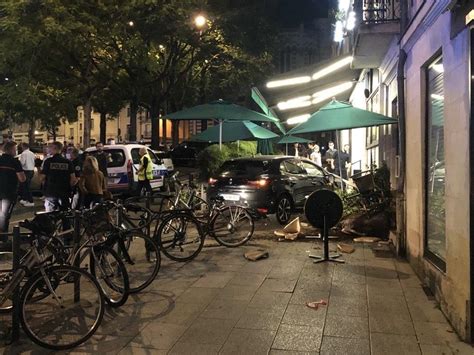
131, 23
200, 21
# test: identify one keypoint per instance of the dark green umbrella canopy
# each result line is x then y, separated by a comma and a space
293, 139
220, 110
338, 115
265, 147
233, 131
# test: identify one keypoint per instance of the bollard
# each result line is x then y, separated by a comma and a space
15, 335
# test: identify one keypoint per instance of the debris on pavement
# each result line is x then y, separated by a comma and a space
315, 304
291, 231
345, 248
366, 239
254, 255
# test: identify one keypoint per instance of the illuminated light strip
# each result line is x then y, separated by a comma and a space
330, 92
288, 82
439, 68
332, 68
302, 101
298, 119
469, 17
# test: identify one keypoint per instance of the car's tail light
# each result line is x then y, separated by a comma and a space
259, 182
262, 210
212, 181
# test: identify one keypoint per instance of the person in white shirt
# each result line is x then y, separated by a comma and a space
27, 160
315, 155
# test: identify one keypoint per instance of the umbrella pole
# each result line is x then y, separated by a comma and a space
339, 159
220, 134
286, 148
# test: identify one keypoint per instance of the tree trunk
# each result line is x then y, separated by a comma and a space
175, 132
103, 127
155, 125
133, 120
87, 123
31, 133
163, 131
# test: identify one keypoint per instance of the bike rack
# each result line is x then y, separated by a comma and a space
15, 314
16, 237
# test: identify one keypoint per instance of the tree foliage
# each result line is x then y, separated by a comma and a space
60, 54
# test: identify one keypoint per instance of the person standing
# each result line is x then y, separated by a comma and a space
11, 173
145, 171
59, 178
315, 155
102, 159
92, 183
342, 162
27, 160
330, 157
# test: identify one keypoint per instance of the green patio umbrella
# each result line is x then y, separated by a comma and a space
234, 131
292, 139
265, 147
222, 111
338, 115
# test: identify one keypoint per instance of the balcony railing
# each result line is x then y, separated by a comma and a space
378, 11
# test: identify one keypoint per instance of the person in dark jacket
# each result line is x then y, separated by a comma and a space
11, 173
102, 159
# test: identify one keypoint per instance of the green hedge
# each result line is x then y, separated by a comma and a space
210, 159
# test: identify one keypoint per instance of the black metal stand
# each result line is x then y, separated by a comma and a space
326, 256
15, 335
77, 261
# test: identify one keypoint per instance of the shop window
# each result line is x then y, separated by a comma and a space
435, 237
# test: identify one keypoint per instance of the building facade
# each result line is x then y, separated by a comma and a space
422, 74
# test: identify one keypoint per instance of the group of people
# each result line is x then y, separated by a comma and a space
336, 162
68, 179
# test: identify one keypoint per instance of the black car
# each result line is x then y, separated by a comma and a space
186, 153
270, 184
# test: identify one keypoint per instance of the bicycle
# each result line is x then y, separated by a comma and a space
61, 306
104, 263
181, 228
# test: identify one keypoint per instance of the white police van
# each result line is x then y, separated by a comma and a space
122, 168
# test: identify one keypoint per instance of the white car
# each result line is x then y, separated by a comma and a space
123, 163
166, 159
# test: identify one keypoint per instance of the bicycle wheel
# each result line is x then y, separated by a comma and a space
180, 237
109, 270
232, 226
142, 260
61, 308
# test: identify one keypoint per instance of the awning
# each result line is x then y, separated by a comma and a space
303, 91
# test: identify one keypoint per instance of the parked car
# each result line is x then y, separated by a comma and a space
270, 184
165, 157
187, 152
123, 163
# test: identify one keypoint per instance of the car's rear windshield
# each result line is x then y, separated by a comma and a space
245, 167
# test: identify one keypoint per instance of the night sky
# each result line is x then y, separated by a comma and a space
291, 13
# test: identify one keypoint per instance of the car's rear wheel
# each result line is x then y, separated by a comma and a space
284, 207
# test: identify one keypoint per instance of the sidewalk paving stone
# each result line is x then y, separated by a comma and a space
336, 345
297, 337
222, 303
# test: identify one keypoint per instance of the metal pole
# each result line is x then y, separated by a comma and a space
77, 260
325, 239
220, 134
16, 293
339, 159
